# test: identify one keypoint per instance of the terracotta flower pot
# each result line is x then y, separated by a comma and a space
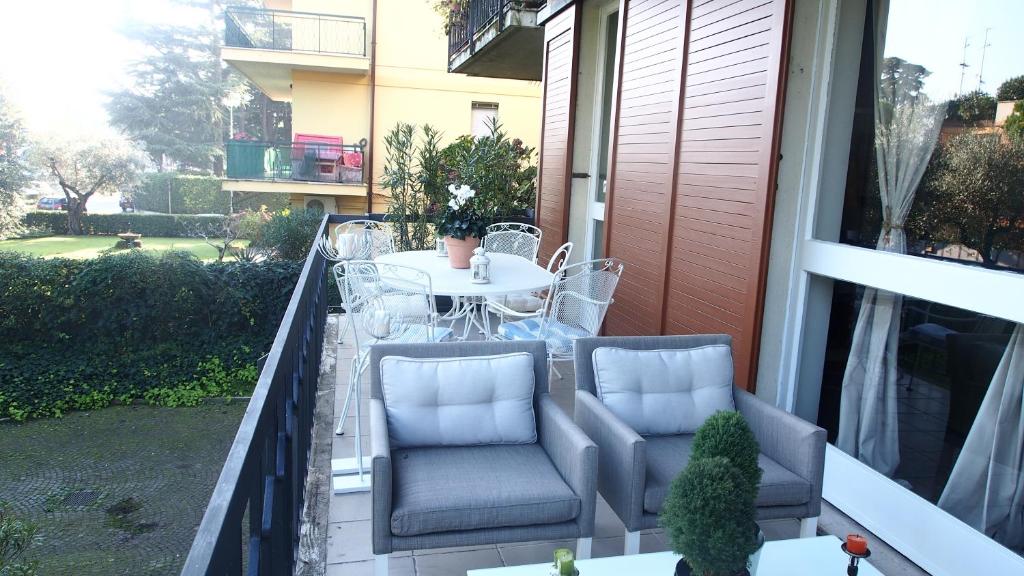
460, 251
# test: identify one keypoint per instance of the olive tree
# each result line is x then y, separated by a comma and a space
974, 195
82, 169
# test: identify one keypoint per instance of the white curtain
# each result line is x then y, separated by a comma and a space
986, 487
906, 131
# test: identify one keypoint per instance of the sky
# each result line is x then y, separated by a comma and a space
931, 33
58, 58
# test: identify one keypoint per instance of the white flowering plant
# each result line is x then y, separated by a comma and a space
462, 216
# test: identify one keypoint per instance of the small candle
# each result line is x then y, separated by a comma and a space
381, 324
346, 245
856, 544
564, 561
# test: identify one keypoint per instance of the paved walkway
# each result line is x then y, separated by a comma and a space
119, 490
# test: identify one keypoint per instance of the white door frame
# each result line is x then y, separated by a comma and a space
595, 209
929, 536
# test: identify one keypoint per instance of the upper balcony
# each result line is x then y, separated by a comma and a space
306, 165
498, 39
266, 45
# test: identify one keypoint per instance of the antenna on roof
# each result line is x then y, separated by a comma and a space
981, 69
963, 66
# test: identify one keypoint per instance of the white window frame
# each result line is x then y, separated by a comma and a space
932, 538
595, 209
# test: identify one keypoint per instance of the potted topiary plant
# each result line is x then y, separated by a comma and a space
709, 514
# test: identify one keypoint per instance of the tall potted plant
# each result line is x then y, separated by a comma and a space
463, 223
710, 513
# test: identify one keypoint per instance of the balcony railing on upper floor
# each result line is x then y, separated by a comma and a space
296, 161
481, 23
297, 31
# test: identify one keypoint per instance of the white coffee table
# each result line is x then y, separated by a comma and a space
819, 556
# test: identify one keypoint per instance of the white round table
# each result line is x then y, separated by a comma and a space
509, 275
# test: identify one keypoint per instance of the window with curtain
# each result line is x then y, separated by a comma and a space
484, 114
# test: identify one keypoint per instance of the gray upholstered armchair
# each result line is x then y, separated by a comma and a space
665, 386
469, 449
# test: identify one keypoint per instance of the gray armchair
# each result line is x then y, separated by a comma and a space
636, 471
451, 494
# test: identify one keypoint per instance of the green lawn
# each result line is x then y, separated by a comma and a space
90, 246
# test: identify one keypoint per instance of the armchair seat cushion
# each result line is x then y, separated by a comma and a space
444, 489
668, 455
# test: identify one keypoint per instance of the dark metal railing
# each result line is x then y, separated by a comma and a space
254, 515
477, 17
302, 161
300, 31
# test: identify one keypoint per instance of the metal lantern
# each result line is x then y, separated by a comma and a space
480, 264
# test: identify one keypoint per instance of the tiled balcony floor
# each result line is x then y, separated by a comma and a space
348, 533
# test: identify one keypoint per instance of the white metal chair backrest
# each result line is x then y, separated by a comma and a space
389, 299
370, 239
513, 238
581, 294
560, 258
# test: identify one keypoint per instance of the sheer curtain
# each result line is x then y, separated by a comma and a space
986, 487
906, 131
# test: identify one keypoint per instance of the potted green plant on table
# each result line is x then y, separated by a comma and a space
709, 514
463, 224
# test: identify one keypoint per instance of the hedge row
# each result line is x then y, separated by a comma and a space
186, 194
157, 225
170, 329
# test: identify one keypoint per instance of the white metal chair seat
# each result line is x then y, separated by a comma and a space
520, 303
414, 333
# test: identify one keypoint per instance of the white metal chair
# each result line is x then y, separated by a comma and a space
393, 303
530, 304
368, 240
513, 238
576, 304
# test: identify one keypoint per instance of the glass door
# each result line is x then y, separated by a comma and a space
604, 94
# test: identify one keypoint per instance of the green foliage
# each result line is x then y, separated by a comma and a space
709, 516
971, 195
161, 225
727, 434
500, 169
408, 207
1015, 123
972, 108
1011, 89
15, 168
79, 334
194, 194
16, 536
289, 234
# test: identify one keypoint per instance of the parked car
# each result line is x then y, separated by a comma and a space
127, 204
52, 203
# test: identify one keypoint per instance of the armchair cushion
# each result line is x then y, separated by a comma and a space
468, 401
466, 488
668, 455
558, 336
665, 391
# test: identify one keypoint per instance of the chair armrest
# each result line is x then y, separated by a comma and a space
623, 456
380, 470
793, 442
573, 454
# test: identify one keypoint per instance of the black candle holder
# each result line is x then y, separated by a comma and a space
855, 559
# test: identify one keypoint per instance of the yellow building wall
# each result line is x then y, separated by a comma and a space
412, 86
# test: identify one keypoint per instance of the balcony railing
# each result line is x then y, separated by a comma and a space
298, 31
480, 15
296, 161
252, 522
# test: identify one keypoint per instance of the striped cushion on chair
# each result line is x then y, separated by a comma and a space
558, 336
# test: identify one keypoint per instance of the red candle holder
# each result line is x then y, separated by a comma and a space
856, 547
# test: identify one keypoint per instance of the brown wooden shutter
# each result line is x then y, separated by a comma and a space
696, 239
637, 215
555, 167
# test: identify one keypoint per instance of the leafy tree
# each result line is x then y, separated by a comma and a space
177, 106
1015, 123
408, 207
972, 195
85, 168
15, 169
1011, 89
902, 79
973, 107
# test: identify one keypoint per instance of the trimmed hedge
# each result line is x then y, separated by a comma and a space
77, 334
199, 195
158, 225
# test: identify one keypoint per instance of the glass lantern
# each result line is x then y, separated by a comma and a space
441, 247
480, 264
